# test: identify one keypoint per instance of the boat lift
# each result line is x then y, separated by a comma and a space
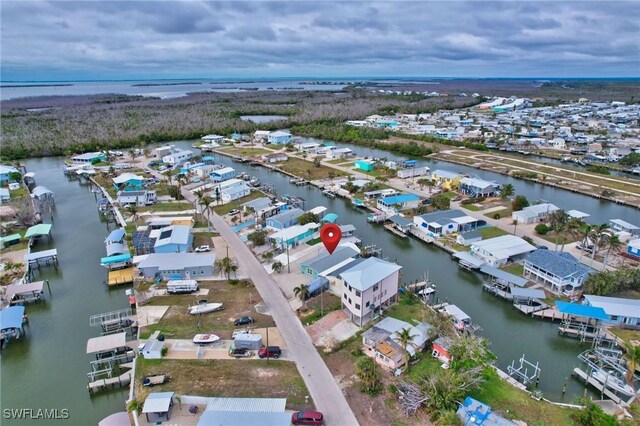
521, 373
114, 321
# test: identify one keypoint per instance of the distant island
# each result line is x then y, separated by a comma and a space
164, 84
5, 86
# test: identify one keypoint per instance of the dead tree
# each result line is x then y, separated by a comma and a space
411, 398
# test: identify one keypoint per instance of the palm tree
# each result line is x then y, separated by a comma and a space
302, 293
573, 229
226, 266
169, 176
422, 182
507, 191
331, 175
200, 195
133, 209
632, 356
132, 154
584, 235
597, 238
515, 225
206, 202
277, 266
558, 222
406, 339
216, 195
614, 243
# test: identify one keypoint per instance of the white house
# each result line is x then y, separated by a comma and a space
178, 156
535, 213
412, 172
339, 153
261, 135
368, 286
620, 225
500, 250
560, 271
139, 198
235, 191
445, 222
225, 173
275, 157
625, 312
308, 147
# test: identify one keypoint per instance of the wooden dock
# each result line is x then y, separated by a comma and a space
596, 384
551, 314
120, 277
110, 383
528, 309
395, 231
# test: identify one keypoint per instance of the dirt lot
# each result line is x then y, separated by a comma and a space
178, 324
307, 170
224, 378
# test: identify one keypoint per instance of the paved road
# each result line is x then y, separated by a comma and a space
324, 390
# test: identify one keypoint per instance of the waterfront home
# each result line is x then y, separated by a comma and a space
396, 203
225, 173
203, 171
5, 195
308, 147
277, 157
5, 171
401, 223
439, 223
293, 235
233, 189
468, 238
189, 167
445, 179
213, 138
412, 172
380, 193
500, 250
559, 271
623, 312
473, 187
285, 219
114, 243
381, 342
472, 411
441, 349
279, 137
620, 225
161, 151
325, 262
368, 286
138, 198
89, 158
261, 135
535, 213
336, 153
128, 182
577, 214
364, 165
173, 239
177, 266
177, 156
633, 248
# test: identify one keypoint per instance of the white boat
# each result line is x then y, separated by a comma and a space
612, 382
205, 308
203, 339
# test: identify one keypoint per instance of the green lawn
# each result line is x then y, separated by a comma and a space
515, 404
406, 310
307, 170
472, 207
169, 207
235, 204
506, 212
246, 151
625, 334
450, 194
491, 232
515, 269
18, 193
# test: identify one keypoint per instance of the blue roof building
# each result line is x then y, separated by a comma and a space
445, 222
4, 172
174, 239
364, 165
285, 219
560, 271
474, 412
128, 182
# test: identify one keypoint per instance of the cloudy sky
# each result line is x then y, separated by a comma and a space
66, 40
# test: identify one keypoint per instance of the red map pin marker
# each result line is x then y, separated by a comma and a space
330, 235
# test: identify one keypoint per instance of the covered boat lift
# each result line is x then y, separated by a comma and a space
581, 321
11, 324
46, 257
37, 231
468, 261
25, 293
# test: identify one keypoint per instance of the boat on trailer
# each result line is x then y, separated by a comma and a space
205, 308
205, 339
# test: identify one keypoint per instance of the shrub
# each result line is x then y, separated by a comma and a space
519, 203
473, 200
541, 229
258, 238
497, 216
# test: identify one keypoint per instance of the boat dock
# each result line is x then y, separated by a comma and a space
549, 313
111, 382
44, 257
120, 277
26, 293
391, 228
579, 373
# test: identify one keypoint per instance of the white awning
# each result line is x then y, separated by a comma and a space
157, 402
105, 343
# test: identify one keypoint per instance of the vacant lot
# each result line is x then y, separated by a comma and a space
249, 152
307, 170
235, 204
491, 232
224, 378
177, 323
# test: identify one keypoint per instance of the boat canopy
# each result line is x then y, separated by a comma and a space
331, 218
528, 293
582, 310
504, 276
115, 259
11, 317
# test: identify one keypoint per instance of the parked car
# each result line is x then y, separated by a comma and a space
307, 418
243, 321
202, 248
240, 353
234, 212
588, 249
154, 163
269, 352
162, 168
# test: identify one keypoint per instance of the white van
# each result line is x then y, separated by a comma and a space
182, 286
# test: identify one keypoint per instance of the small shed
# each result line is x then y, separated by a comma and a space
157, 406
441, 348
39, 230
247, 341
9, 240
153, 349
468, 238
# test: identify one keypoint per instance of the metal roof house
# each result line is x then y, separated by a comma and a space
535, 213
177, 156
174, 239
128, 182
445, 222
279, 137
178, 266
396, 203
381, 341
88, 158
560, 271
285, 219
294, 235
500, 250
4, 172
138, 198
325, 261
364, 165
625, 312
235, 192
368, 286
468, 238
225, 173
474, 187
446, 179
114, 243
620, 225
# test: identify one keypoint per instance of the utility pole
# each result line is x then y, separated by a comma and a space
288, 263
267, 348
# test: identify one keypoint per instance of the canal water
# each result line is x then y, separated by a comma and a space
511, 333
47, 369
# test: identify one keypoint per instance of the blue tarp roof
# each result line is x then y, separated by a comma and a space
115, 259
582, 310
330, 217
11, 317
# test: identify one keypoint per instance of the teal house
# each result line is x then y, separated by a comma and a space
364, 165
128, 182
